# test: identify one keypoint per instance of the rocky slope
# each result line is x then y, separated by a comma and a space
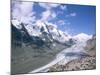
87, 63
84, 63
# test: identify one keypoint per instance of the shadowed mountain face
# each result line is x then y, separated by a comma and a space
31, 52
91, 43
90, 47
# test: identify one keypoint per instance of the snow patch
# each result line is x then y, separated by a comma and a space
82, 37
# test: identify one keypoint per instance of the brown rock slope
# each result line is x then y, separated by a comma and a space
85, 63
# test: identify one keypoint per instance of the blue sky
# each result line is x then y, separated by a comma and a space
83, 19
73, 19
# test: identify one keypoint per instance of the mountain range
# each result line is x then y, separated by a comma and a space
35, 43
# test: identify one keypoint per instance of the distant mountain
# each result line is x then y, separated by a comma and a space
82, 37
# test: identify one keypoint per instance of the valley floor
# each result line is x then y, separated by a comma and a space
73, 58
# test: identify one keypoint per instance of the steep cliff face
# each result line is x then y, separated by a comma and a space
90, 47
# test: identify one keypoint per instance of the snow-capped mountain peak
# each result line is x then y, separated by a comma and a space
16, 23
82, 37
44, 29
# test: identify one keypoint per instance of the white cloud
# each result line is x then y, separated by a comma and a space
23, 11
73, 14
61, 22
26, 8
63, 7
53, 15
48, 5
44, 5
54, 5
46, 14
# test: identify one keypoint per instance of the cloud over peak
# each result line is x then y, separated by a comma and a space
27, 12
23, 11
